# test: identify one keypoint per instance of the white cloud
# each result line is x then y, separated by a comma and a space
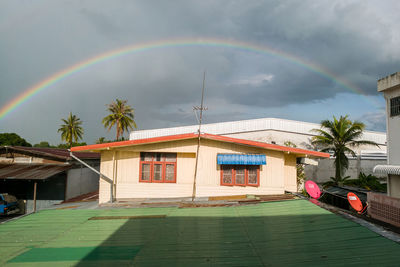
375, 120
254, 80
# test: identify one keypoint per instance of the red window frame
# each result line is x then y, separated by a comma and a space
153, 162
246, 175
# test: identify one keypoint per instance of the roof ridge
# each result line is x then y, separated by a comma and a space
203, 135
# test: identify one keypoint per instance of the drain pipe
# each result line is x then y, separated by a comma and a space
102, 176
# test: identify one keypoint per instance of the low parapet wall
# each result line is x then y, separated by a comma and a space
384, 208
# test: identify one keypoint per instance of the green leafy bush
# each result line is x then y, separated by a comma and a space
369, 182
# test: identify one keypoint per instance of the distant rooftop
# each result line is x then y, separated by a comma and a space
243, 126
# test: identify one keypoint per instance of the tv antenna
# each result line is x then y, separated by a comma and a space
201, 107
199, 120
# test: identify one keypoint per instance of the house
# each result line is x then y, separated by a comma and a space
279, 131
41, 177
188, 165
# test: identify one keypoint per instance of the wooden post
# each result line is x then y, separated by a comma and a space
114, 184
199, 137
34, 196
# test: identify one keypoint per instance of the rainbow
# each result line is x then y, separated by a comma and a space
137, 48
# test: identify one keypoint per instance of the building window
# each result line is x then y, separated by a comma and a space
241, 175
395, 106
157, 167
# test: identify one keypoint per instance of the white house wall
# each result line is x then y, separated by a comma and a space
393, 129
393, 136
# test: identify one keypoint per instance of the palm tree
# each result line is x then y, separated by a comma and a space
121, 116
339, 137
71, 129
101, 140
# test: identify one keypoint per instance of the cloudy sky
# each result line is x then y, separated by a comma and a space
356, 41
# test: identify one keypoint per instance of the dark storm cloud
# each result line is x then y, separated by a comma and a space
286, 87
357, 41
346, 38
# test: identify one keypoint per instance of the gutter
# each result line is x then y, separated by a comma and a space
102, 176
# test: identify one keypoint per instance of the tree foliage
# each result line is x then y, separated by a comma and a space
43, 144
369, 182
12, 139
102, 140
66, 146
121, 116
71, 129
340, 137
301, 176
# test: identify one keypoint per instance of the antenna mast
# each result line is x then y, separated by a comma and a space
201, 108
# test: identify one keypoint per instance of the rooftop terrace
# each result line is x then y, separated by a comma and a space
283, 233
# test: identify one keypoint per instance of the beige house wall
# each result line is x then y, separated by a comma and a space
278, 175
290, 173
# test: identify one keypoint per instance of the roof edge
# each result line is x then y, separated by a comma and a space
98, 147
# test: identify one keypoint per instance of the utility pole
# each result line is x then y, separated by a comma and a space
201, 108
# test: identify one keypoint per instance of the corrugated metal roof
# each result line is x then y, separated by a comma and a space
58, 153
231, 127
387, 169
31, 171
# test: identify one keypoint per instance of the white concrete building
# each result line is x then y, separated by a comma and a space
267, 130
390, 86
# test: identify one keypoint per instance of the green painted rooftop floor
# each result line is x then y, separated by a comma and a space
284, 233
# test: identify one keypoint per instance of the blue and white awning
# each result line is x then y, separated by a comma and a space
387, 169
241, 159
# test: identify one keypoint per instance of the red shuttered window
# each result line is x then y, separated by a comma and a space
242, 175
157, 167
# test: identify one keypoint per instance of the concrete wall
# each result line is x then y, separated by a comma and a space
125, 161
326, 169
81, 181
40, 204
394, 185
384, 208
